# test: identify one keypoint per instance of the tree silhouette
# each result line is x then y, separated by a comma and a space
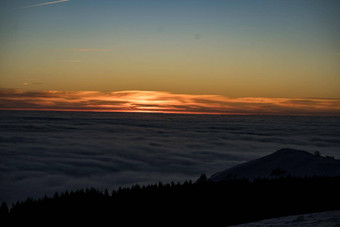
202, 203
202, 179
4, 211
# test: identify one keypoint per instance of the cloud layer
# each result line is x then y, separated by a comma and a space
45, 152
162, 102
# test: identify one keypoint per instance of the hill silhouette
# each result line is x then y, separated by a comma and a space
283, 163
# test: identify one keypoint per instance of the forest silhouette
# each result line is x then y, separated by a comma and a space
199, 203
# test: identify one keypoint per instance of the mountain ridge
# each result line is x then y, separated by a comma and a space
282, 163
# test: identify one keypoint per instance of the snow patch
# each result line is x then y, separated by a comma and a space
323, 219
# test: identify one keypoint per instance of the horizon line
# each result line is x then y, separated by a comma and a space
163, 102
165, 112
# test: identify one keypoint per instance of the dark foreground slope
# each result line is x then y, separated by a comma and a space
286, 182
202, 203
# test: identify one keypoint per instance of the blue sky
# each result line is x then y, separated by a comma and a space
235, 48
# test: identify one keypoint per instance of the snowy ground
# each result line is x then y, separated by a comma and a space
324, 219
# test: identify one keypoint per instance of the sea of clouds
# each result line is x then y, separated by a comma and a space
47, 152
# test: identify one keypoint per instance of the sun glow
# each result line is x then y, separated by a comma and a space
162, 102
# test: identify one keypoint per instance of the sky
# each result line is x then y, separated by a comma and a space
240, 50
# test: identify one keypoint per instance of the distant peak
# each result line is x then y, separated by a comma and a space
290, 151
284, 162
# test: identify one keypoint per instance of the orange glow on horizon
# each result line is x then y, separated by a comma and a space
162, 102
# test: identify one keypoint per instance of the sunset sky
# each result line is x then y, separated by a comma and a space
197, 56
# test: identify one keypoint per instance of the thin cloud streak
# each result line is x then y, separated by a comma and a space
162, 102
90, 50
45, 3
73, 61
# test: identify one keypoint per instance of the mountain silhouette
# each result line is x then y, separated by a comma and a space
282, 163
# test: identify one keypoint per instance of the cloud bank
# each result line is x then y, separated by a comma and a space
162, 102
45, 152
